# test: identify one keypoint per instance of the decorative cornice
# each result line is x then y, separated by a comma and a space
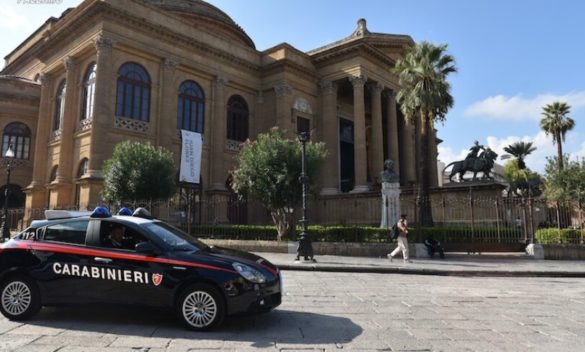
286, 66
328, 87
103, 44
169, 64
358, 81
351, 49
283, 90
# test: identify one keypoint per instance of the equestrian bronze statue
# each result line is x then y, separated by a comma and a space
475, 162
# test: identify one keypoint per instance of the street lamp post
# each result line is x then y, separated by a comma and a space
5, 219
305, 248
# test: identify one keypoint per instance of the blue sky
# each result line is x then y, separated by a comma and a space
513, 56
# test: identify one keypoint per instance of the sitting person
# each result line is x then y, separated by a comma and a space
116, 237
434, 246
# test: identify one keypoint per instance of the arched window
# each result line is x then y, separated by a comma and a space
237, 119
191, 108
133, 92
83, 165
18, 135
59, 106
54, 172
88, 92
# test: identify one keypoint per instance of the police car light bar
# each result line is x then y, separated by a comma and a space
54, 214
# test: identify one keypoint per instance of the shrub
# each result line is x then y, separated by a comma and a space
269, 233
562, 236
319, 233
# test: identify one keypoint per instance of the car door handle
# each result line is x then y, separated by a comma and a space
103, 260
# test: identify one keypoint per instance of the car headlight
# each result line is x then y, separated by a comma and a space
249, 273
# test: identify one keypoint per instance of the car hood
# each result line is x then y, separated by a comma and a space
228, 256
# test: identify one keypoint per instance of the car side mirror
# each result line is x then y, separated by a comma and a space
147, 248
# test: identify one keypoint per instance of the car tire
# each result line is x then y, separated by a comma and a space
201, 307
19, 298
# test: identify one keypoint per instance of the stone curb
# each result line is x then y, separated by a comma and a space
433, 272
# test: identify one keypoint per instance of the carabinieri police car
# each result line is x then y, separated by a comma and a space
130, 259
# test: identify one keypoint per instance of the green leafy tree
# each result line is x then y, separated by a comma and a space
139, 172
523, 181
556, 122
566, 184
520, 150
425, 98
268, 169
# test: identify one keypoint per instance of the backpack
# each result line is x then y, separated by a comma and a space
395, 232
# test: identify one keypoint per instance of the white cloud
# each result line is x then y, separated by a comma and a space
520, 108
537, 159
11, 19
448, 155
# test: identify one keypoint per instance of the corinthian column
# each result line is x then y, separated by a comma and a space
70, 116
392, 130
105, 101
167, 118
359, 131
36, 192
377, 147
330, 131
218, 135
283, 108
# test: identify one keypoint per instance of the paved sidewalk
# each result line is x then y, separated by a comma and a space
455, 264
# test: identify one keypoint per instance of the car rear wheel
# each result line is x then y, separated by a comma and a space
19, 298
201, 307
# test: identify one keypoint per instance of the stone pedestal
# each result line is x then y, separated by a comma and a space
390, 204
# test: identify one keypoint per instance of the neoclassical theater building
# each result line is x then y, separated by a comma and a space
108, 71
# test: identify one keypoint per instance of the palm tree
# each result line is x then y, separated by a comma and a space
556, 122
424, 98
520, 150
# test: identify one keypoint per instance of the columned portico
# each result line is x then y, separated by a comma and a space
104, 113
377, 143
330, 135
360, 153
36, 191
392, 130
219, 134
70, 116
167, 119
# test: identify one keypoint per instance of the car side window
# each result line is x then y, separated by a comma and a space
72, 232
119, 236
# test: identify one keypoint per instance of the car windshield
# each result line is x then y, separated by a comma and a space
175, 238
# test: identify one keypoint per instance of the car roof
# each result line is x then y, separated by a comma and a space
132, 219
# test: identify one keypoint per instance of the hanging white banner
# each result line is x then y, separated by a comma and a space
191, 149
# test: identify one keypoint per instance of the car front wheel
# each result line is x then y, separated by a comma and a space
19, 298
201, 307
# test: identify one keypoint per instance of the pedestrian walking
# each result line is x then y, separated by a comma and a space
402, 240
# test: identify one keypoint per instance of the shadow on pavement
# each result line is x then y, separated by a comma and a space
278, 326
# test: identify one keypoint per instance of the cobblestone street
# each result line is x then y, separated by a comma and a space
339, 312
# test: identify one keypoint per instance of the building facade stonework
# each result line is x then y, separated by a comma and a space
108, 71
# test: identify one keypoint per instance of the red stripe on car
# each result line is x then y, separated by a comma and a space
49, 247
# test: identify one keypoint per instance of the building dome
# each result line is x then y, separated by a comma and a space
206, 16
